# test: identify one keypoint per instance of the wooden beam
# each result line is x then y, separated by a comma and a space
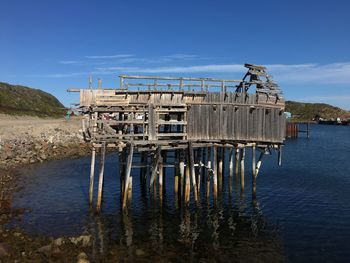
100, 181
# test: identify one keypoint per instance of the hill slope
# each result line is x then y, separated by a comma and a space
308, 111
20, 100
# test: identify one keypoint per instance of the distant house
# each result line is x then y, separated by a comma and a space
288, 114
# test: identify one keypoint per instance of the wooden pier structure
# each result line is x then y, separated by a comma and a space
189, 124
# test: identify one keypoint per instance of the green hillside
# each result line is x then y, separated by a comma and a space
308, 111
20, 100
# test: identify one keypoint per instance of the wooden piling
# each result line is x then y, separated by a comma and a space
100, 180
258, 164
92, 173
242, 157
279, 155
128, 174
193, 172
182, 173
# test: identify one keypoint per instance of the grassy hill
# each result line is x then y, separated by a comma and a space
308, 111
20, 100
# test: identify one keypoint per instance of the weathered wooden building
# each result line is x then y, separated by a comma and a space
196, 118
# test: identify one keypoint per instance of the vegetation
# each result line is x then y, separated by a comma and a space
20, 100
309, 111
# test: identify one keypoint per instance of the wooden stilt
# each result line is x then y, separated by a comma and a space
193, 172
279, 155
253, 172
258, 165
155, 167
92, 173
100, 180
182, 173
215, 173
128, 174
242, 157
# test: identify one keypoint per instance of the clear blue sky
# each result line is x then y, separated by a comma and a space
54, 45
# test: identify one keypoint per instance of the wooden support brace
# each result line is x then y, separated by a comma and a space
92, 173
128, 174
100, 180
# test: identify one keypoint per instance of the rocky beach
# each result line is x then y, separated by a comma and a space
25, 141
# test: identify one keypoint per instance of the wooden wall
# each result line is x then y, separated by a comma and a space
210, 115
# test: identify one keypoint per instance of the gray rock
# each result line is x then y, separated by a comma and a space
139, 252
84, 240
83, 260
82, 255
4, 250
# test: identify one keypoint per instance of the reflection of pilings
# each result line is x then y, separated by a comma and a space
122, 161
215, 173
143, 170
198, 170
242, 157
237, 153
221, 151
92, 173
230, 166
128, 230
160, 179
100, 235
187, 182
253, 172
176, 177
208, 173
100, 180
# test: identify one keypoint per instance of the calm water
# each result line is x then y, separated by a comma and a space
302, 214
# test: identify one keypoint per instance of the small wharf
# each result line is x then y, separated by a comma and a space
185, 124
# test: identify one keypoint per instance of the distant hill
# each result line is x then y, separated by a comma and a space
20, 100
308, 111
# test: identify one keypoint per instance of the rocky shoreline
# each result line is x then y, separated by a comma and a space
23, 143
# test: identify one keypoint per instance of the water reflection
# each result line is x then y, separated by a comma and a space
232, 231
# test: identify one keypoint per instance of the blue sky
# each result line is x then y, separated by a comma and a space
55, 45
